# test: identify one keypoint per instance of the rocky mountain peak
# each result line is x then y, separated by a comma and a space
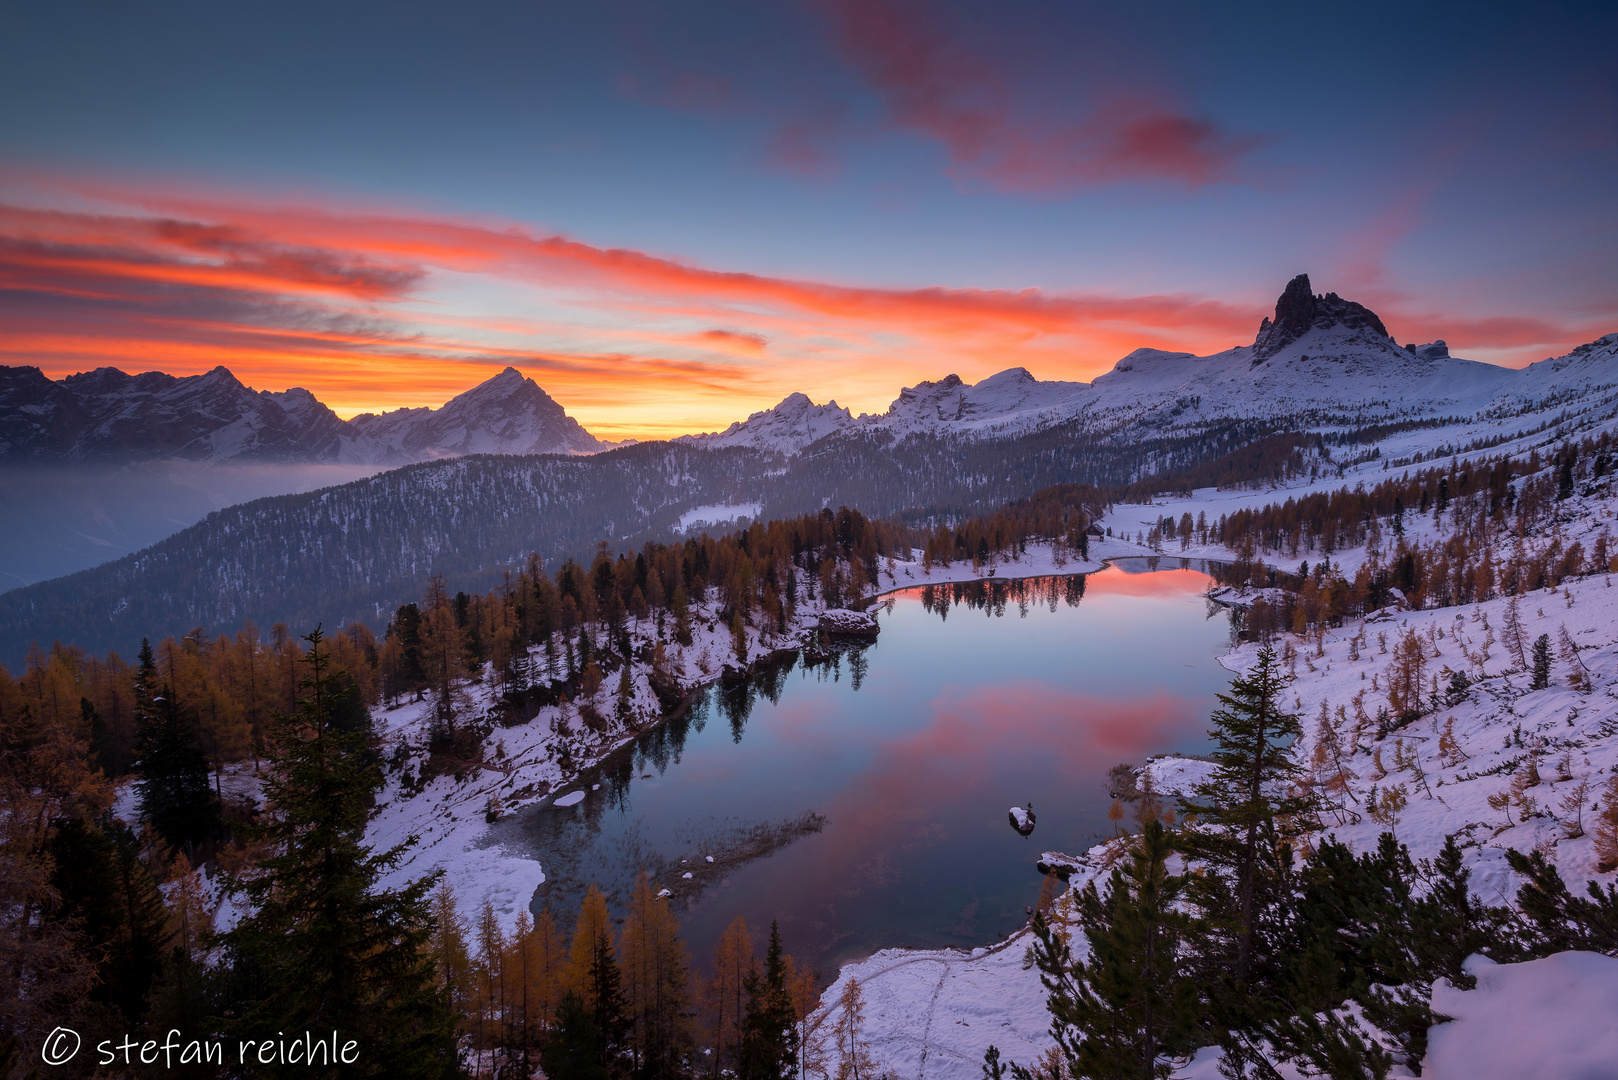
1299, 311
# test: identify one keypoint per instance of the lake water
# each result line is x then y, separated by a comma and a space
863, 802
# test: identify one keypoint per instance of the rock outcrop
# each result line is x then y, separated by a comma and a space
1299, 311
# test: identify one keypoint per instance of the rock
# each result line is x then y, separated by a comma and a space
1299, 310
1054, 862
1022, 819
840, 621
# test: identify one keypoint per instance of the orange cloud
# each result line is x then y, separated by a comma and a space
731, 339
377, 310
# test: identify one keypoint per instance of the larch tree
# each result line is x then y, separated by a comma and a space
854, 1061
656, 974
594, 924
727, 993
536, 955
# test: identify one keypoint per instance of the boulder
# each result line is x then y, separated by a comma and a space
845, 623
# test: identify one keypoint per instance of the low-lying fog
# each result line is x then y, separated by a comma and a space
63, 518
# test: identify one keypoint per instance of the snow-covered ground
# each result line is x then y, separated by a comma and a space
714, 515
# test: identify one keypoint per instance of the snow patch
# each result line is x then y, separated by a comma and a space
716, 514
1549, 1019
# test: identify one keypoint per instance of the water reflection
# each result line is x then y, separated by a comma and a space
866, 805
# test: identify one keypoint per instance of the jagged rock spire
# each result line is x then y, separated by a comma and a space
1299, 310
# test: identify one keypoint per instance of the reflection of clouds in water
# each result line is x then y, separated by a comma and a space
913, 772
903, 801
995, 596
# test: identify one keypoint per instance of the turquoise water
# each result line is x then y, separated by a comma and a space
863, 802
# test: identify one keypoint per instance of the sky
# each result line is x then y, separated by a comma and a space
673, 215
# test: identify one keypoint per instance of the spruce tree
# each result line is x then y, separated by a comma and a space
608, 1010
769, 1049
1123, 1012
105, 890
323, 947
1542, 662
1246, 807
574, 1047
175, 793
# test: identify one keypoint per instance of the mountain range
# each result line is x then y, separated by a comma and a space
1320, 357
1321, 360
107, 415
1322, 373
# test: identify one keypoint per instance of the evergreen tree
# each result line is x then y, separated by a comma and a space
1120, 1014
175, 793
323, 947
1553, 918
1249, 815
769, 1049
1542, 662
105, 890
608, 1011
103, 746
574, 1049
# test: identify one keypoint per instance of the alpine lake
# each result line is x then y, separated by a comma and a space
862, 800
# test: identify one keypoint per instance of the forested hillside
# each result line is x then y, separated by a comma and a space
355, 551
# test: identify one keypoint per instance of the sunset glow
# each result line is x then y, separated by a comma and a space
901, 194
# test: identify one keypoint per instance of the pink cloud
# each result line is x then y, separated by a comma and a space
937, 87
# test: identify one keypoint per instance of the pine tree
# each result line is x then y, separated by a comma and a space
1120, 1013
574, 1049
624, 709
609, 1011
323, 947
769, 1048
1555, 920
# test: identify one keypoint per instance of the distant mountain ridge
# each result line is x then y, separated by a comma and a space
107, 415
1321, 359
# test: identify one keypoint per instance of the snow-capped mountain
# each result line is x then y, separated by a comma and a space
508, 414
1321, 360
1012, 402
107, 415
787, 428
